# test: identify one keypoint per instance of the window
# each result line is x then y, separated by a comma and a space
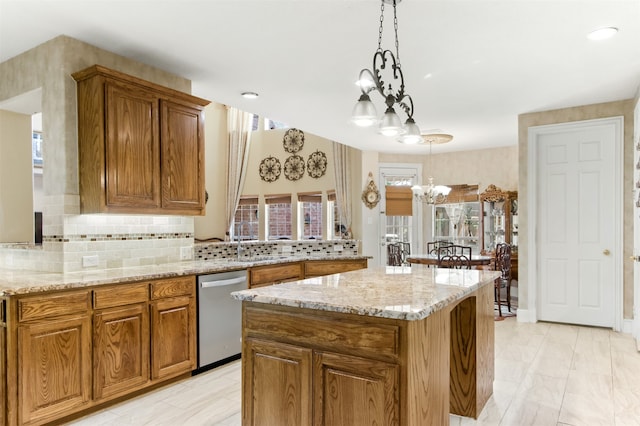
246, 220
270, 124
333, 211
310, 205
278, 217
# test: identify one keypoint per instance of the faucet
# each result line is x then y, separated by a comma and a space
239, 248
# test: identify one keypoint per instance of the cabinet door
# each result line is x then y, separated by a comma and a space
54, 362
132, 147
277, 384
182, 156
173, 337
120, 350
354, 391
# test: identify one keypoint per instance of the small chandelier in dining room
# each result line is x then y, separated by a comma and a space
364, 113
431, 193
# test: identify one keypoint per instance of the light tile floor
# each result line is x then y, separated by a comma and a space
546, 374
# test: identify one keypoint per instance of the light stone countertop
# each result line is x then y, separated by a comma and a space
400, 292
15, 282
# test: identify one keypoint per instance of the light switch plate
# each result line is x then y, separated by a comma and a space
186, 253
90, 261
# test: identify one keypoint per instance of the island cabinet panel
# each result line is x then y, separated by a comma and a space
141, 146
173, 337
272, 274
354, 391
315, 268
54, 368
277, 384
120, 350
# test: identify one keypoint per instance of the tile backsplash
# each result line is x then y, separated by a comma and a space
300, 248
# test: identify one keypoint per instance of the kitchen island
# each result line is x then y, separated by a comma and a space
386, 346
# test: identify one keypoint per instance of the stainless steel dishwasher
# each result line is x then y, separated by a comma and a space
219, 318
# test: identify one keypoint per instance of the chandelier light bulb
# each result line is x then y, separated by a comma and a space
412, 134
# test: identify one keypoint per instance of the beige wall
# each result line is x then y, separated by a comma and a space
16, 202
587, 112
498, 166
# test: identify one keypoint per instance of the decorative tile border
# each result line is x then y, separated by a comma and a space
115, 237
212, 251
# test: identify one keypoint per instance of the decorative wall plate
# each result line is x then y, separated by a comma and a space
293, 140
294, 167
270, 169
317, 164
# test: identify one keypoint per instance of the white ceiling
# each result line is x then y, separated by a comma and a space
488, 60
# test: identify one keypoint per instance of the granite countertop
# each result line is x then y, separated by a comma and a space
15, 282
400, 292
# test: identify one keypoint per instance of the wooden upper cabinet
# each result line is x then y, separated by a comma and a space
141, 146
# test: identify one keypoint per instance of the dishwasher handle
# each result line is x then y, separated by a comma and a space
222, 283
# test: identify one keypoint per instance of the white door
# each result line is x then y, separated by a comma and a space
578, 221
397, 228
636, 228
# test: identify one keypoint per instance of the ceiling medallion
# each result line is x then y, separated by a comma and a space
317, 164
293, 140
270, 169
294, 167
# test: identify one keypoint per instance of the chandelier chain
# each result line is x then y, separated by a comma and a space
380, 28
395, 28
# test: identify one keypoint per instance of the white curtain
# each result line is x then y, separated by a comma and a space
239, 130
342, 167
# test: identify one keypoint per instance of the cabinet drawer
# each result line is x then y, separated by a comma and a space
180, 286
317, 268
339, 334
120, 295
51, 305
271, 274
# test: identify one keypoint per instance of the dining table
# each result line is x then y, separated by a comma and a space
432, 259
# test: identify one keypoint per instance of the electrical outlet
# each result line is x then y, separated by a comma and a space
186, 253
286, 249
338, 247
89, 261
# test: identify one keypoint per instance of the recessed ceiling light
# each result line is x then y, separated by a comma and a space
249, 95
602, 33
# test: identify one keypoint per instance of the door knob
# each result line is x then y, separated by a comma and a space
636, 258
606, 252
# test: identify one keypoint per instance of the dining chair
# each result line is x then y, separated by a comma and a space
503, 264
454, 261
436, 247
405, 251
394, 254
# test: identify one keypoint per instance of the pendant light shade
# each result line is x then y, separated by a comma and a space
411, 134
390, 125
364, 112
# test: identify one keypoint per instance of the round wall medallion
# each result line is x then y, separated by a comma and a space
270, 169
294, 167
293, 140
317, 164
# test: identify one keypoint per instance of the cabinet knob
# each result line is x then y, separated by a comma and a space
606, 252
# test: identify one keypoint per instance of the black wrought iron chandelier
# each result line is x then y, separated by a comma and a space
364, 113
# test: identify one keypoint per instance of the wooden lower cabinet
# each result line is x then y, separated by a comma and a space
277, 384
120, 350
354, 391
173, 336
54, 362
68, 351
